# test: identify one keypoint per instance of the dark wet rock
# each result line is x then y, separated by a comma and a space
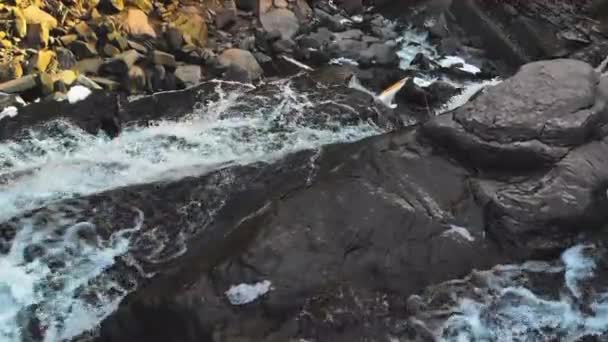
358, 219
120, 64
65, 58
523, 31
352, 6
528, 121
97, 113
333, 22
350, 231
82, 49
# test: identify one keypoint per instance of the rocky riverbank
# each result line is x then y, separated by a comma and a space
330, 214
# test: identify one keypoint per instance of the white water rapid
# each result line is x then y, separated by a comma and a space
62, 161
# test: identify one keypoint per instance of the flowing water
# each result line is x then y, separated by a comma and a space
564, 300
61, 161
52, 263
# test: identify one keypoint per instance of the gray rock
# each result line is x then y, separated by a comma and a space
65, 58
188, 74
163, 58
281, 20
244, 60
528, 120
82, 49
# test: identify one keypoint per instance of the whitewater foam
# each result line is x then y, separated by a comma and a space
60, 161
510, 308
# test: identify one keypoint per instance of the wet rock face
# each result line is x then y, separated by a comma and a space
330, 228
347, 233
528, 121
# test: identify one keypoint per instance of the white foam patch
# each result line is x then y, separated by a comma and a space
424, 82
412, 43
449, 61
297, 63
578, 266
78, 93
470, 89
511, 312
343, 61
459, 233
10, 112
247, 293
43, 293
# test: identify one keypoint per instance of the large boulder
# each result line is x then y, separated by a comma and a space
528, 121
282, 21
242, 59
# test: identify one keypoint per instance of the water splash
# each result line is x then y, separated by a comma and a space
517, 303
54, 278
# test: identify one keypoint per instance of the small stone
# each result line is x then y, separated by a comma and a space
19, 85
37, 36
87, 82
155, 77
188, 75
67, 77
281, 20
88, 66
137, 47
302, 10
193, 27
46, 84
244, 60
60, 87
136, 81
82, 49
43, 59
280, 3
65, 58
137, 23
110, 50
264, 6
144, 5
10, 71
120, 65
225, 18
67, 39
174, 39
111, 6
163, 58
20, 22
246, 5
84, 31
119, 41
105, 83
34, 15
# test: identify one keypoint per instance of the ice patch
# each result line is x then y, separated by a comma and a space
78, 93
459, 232
10, 112
246, 293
